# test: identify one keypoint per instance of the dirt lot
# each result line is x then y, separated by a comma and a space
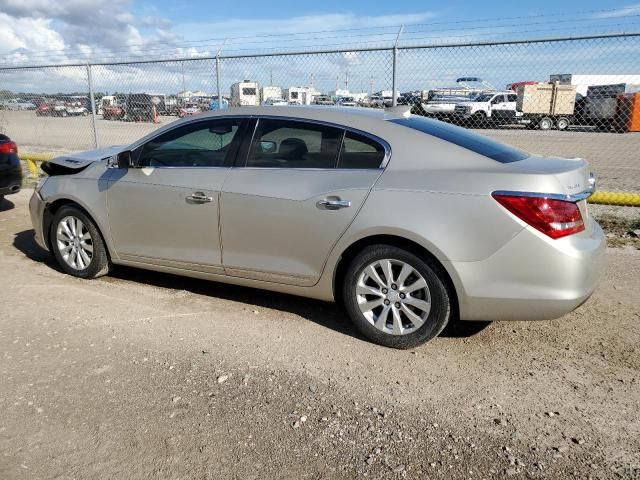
144, 375
614, 157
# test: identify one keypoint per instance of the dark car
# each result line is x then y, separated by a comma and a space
10, 169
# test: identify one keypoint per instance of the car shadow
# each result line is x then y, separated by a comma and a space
326, 314
6, 204
26, 243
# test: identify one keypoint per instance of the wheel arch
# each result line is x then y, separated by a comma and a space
56, 205
354, 248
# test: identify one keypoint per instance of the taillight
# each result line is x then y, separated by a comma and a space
555, 218
8, 147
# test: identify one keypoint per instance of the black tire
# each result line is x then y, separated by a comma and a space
545, 123
562, 123
100, 263
478, 120
438, 315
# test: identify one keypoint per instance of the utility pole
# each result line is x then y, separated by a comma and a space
271, 77
346, 81
371, 87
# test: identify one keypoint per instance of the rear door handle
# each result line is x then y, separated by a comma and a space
333, 204
199, 197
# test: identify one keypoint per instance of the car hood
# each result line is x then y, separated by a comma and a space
74, 162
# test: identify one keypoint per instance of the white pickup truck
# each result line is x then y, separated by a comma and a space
489, 107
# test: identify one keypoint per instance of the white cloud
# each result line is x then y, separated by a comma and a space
620, 12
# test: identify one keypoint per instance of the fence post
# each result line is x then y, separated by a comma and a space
394, 78
218, 74
93, 107
218, 82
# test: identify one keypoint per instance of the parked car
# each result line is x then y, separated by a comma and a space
346, 102
372, 208
44, 110
323, 100
379, 101
10, 169
188, 109
275, 101
113, 112
18, 104
76, 109
488, 108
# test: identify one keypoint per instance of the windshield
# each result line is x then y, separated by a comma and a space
484, 97
464, 138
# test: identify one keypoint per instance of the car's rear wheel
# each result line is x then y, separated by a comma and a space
77, 244
396, 298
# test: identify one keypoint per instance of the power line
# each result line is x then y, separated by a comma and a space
127, 47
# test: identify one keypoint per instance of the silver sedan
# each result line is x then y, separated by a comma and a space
410, 222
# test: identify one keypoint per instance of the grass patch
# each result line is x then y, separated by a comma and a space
620, 231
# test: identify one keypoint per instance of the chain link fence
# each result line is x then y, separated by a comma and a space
572, 97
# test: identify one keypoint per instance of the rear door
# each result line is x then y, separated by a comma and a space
165, 211
284, 209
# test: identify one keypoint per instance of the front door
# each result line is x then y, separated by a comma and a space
284, 210
165, 210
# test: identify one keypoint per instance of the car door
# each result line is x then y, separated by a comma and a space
510, 106
165, 210
300, 188
497, 107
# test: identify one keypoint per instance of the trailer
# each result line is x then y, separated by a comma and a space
603, 106
546, 105
270, 92
245, 94
582, 82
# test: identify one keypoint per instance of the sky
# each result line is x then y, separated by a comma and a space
38, 32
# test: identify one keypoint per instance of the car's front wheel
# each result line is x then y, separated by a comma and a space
77, 244
396, 298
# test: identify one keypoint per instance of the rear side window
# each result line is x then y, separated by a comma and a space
359, 151
464, 138
294, 144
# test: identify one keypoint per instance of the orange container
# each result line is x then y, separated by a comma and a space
629, 111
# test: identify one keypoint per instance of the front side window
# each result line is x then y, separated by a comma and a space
204, 144
294, 144
359, 151
512, 97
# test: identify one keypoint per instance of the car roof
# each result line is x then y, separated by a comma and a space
334, 114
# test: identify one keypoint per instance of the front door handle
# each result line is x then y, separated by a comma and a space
199, 197
333, 204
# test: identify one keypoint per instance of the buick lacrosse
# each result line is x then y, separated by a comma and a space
409, 222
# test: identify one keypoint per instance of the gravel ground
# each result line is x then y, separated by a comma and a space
144, 375
614, 157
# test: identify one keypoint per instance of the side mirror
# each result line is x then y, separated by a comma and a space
124, 159
267, 146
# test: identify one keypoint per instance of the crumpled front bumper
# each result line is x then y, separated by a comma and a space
37, 208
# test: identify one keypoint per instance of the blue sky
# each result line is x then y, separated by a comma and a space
78, 31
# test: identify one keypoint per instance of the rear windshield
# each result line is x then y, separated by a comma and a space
464, 138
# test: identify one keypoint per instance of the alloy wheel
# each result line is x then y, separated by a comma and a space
393, 296
74, 243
